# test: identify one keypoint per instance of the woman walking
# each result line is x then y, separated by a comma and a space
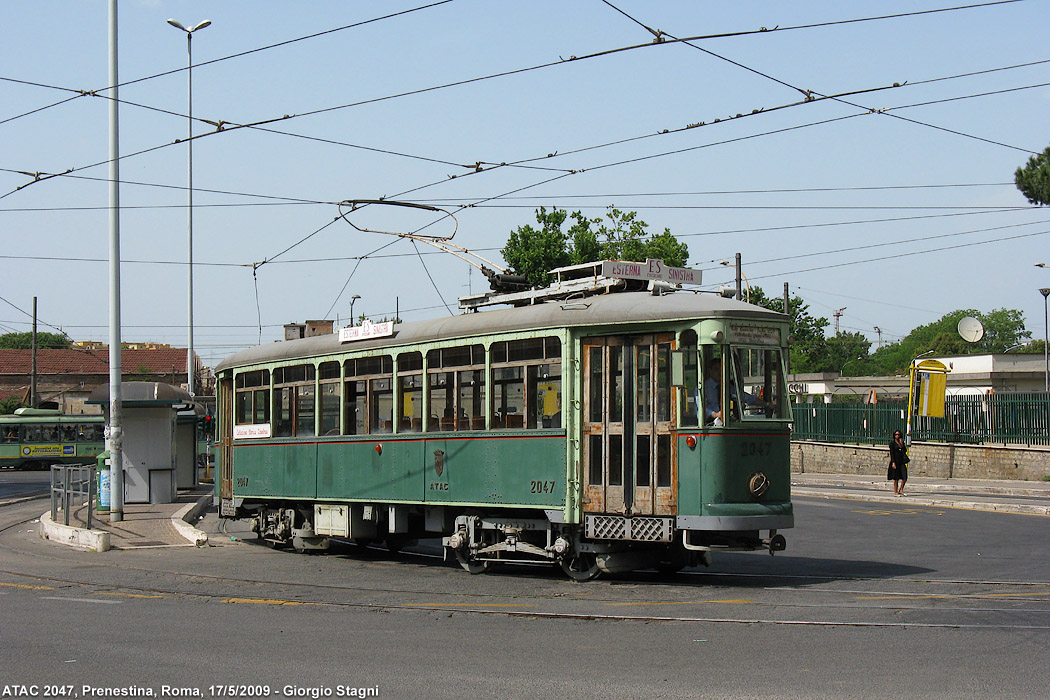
898, 471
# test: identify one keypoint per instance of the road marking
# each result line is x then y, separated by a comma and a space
683, 602
132, 595
84, 600
265, 601
476, 605
32, 588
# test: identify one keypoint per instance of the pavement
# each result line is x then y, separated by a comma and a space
172, 524
143, 525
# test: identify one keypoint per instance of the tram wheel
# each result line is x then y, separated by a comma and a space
580, 566
470, 564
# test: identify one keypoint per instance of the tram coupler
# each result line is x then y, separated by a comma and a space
775, 543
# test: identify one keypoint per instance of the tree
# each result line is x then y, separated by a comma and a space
24, 341
534, 252
1033, 180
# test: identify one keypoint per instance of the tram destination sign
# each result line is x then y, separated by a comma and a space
365, 331
651, 269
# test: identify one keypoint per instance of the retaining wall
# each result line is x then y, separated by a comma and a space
932, 459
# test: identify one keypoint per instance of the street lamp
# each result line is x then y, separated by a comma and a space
1045, 291
352, 300
191, 365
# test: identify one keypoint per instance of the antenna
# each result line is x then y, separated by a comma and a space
971, 330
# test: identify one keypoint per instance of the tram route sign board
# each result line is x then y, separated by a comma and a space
365, 331
651, 269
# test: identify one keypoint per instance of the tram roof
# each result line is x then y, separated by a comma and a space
604, 310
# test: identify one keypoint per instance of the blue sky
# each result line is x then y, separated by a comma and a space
897, 204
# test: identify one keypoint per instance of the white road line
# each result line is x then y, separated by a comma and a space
83, 600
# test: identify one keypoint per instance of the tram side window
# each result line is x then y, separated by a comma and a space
252, 397
368, 395
92, 432
33, 433
68, 432
11, 433
410, 383
294, 401
329, 400
456, 388
526, 384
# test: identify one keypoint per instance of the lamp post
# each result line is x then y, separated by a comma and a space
352, 300
1045, 291
191, 365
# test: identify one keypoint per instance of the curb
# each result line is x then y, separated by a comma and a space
184, 518
78, 537
1017, 508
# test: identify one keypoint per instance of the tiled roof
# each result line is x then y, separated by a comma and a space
151, 361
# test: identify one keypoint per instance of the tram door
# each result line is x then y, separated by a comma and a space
225, 437
628, 461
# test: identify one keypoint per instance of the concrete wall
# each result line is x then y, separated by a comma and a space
931, 459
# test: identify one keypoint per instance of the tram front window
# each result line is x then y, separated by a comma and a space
757, 384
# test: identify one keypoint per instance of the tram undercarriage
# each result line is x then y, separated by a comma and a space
605, 543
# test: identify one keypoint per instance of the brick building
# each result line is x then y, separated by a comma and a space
66, 377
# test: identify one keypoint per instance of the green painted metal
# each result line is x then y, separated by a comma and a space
713, 476
355, 467
285, 471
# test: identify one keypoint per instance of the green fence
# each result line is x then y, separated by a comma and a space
1015, 419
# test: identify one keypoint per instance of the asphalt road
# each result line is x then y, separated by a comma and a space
870, 600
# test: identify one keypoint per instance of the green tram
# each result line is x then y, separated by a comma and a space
603, 432
35, 438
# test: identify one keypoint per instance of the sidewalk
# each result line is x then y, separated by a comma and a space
144, 525
1028, 497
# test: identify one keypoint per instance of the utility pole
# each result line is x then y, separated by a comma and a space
34, 399
114, 437
838, 315
879, 331
739, 273
787, 312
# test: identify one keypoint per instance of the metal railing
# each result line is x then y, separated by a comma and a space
1009, 419
72, 486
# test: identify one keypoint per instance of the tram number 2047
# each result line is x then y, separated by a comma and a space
755, 448
541, 486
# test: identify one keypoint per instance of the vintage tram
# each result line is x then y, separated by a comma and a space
593, 424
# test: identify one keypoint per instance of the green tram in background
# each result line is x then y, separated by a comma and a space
35, 438
575, 427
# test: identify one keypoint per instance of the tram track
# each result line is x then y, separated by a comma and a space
270, 592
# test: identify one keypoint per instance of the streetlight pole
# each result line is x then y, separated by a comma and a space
352, 300
1045, 291
191, 365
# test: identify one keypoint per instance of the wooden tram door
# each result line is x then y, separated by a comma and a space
225, 437
628, 460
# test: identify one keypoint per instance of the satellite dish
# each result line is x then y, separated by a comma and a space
970, 329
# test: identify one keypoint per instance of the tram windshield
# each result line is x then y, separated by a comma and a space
726, 384
756, 384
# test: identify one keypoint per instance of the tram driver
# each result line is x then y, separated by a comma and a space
713, 394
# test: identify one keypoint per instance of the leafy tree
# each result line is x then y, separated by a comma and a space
10, 404
1003, 329
24, 341
534, 251
1033, 180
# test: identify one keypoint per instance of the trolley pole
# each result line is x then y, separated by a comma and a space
114, 438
